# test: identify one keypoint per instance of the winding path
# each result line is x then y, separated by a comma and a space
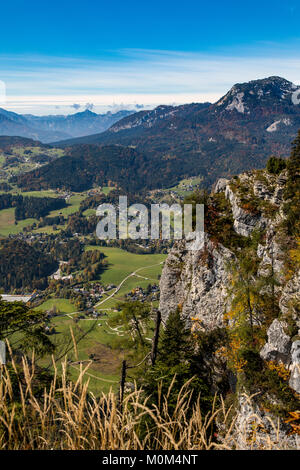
95, 376
124, 280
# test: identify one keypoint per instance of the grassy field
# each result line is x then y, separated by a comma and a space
20, 151
92, 336
121, 263
7, 222
42, 193
99, 341
180, 188
73, 205
7, 218
8, 226
98, 337
63, 305
106, 189
89, 212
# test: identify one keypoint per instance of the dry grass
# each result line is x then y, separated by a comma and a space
68, 417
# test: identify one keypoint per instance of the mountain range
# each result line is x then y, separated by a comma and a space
50, 128
237, 133
255, 112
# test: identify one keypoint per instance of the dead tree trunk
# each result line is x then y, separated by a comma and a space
155, 338
137, 327
122, 385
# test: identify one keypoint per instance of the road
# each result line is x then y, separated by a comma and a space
124, 280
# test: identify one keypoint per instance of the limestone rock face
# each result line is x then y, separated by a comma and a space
254, 429
271, 254
220, 185
197, 281
279, 344
290, 297
244, 222
289, 303
294, 382
273, 193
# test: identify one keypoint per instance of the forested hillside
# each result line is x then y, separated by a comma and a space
30, 206
24, 267
85, 165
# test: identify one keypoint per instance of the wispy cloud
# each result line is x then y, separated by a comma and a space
131, 77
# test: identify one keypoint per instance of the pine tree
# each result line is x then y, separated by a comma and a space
292, 192
244, 291
16, 318
134, 315
174, 345
294, 162
174, 367
275, 165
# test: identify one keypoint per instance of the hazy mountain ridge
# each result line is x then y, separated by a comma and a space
51, 128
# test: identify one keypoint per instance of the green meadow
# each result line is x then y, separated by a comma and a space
62, 305
121, 263
7, 222
96, 336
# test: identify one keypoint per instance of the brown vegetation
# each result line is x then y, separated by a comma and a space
66, 416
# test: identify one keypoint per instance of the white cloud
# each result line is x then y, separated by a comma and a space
75, 106
39, 84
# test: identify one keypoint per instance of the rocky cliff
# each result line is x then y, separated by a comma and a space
198, 282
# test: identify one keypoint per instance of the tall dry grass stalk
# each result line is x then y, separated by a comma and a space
68, 417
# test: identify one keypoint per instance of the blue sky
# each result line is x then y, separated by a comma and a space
121, 54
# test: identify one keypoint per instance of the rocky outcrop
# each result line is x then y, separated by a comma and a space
278, 346
196, 280
221, 185
271, 189
244, 222
294, 382
271, 254
256, 429
289, 304
290, 298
